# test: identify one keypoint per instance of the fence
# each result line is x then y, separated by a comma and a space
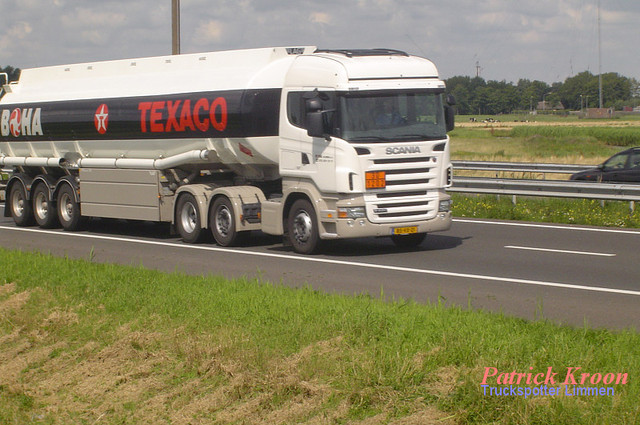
551, 188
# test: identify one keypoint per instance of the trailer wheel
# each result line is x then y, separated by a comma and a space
188, 221
44, 209
302, 227
21, 209
222, 222
408, 241
68, 209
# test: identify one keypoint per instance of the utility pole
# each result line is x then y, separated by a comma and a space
599, 59
175, 27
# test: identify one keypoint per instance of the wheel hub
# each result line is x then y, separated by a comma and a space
189, 218
223, 221
302, 227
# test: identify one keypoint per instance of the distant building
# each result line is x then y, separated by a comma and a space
599, 113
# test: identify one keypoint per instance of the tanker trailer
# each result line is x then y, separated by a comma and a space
305, 143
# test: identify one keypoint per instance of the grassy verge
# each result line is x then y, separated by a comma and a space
547, 210
94, 343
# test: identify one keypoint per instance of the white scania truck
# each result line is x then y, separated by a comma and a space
305, 143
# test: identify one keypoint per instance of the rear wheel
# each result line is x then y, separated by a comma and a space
44, 209
21, 209
222, 222
188, 221
302, 227
68, 209
408, 241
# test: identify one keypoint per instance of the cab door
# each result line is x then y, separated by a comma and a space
304, 156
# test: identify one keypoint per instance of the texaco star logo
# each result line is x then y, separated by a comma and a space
101, 118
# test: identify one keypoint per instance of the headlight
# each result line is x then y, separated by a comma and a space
351, 212
445, 206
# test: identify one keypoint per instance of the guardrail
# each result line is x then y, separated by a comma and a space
524, 167
549, 188
545, 188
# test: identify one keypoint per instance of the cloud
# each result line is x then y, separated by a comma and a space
546, 39
14, 34
210, 31
320, 18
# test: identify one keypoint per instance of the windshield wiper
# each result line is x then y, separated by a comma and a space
419, 137
365, 138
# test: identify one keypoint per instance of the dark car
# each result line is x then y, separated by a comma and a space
623, 167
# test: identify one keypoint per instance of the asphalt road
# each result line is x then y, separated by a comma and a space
568, 274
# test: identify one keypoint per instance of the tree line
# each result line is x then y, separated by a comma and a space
474, 95
12, 72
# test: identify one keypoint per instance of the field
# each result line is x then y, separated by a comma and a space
86, 343
550, 139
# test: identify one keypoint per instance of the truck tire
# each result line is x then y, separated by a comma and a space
222, 222
302, 227
188, 221
21, 208
44, 209
68, 209
408, 241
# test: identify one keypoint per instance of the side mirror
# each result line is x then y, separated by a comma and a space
315, 124
449, 117
313, 105
451, 100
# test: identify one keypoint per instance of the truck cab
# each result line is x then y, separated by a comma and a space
363, 138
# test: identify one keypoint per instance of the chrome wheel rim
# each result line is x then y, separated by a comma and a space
41, 205
223, 221
189, 217
302, 227
66, 207
17, 204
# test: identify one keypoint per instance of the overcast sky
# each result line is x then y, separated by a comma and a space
546, 40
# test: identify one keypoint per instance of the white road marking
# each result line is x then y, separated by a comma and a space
334, 262
549, 226
560, 251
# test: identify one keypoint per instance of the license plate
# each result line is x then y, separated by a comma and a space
404, 230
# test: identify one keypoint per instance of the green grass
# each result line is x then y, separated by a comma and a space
613, 136
547, 210
96, 343
561, 139
526, 144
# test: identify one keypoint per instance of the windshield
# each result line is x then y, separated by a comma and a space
376, 116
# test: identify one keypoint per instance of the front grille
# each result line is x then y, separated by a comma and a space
411, 189
402, 160
407, 205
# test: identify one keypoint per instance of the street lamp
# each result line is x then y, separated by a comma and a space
544, 102
581, 103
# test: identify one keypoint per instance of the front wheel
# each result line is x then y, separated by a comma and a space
188, 221
20, 207
302, 227
408, 241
